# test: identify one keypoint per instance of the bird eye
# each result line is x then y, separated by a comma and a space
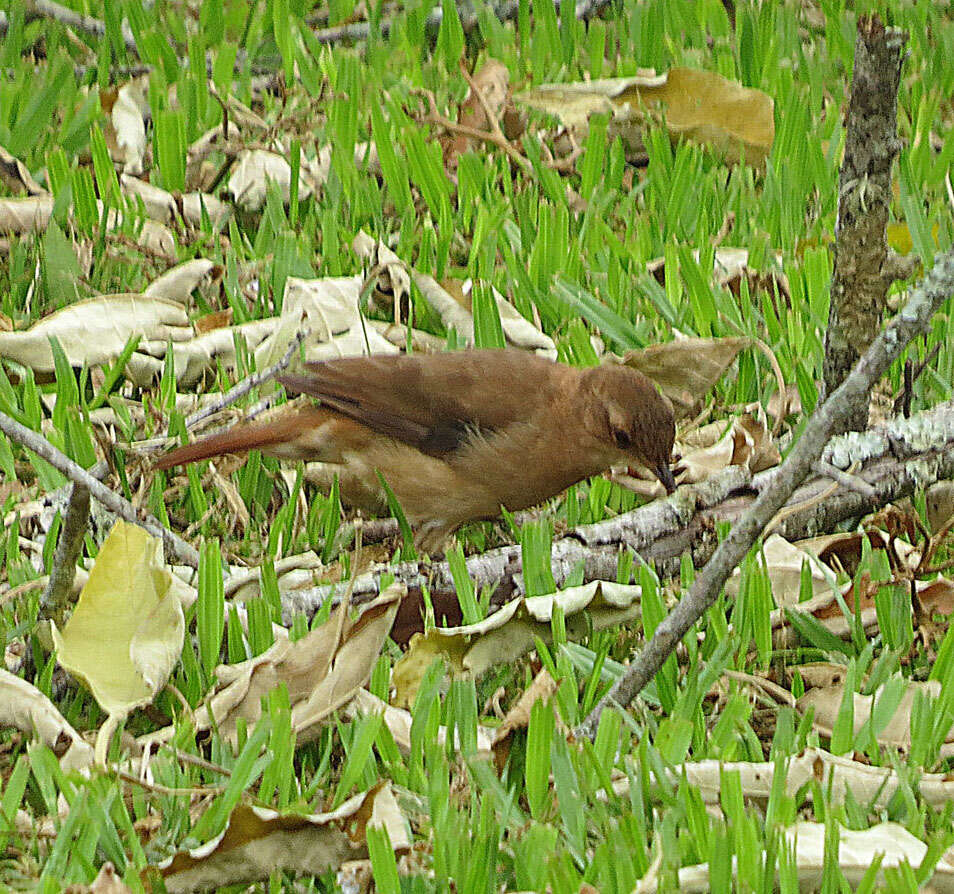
621, 438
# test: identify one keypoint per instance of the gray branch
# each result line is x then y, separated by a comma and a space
863, 269
73, 530
830, 417
110, 499
895, 460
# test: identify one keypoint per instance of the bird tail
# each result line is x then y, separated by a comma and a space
277, 429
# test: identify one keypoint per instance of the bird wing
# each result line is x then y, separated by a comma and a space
434, 401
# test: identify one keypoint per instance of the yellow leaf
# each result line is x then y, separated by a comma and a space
126, 632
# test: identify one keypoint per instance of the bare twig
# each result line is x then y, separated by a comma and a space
181, 550
905, 395
47, 9
487, 136
845, 479
72, 533
248, 383
831, 416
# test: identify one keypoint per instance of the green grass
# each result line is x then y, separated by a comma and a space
547, 819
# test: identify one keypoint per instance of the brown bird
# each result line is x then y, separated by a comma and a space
458, 435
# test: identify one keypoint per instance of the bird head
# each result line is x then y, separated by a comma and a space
632, 417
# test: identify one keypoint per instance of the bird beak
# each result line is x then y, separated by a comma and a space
664, 474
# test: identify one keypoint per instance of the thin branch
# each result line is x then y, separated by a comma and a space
72, 533
238, 391
496, 139
664, 531
845, 479
913, 319
47, 9
34, 441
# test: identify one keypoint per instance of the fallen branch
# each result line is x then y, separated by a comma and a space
68, 18
913, 319
894, 460
72, 533
24, 436
505, 11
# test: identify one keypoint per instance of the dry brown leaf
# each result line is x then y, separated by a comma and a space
837, 776
124, 128
399, 720
31, 215
96, 330
939, 502
699, 105
843, 551
327, 311
218, 319
322, 671
518, 330
793, 403
15, 175
179, 282
783, 562
825, 609
807, 842
895, 734
163, 206
24, 707
493, 81
253, 168
542, 689
937, 596
744, 441
687, 368
257, 842
108, 882
510, 632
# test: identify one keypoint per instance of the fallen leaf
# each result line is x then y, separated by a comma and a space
16, 176
492, 79
896, 733
126, 632
258, 842
179, 282
699, 105
783, 563
510, 632
398, 721
543, 688
253, 168
328, 309
24, 707
96, 330
322, 671
686, 369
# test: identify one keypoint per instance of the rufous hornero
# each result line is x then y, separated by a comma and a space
460, 434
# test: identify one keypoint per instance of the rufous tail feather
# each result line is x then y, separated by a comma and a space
242, 438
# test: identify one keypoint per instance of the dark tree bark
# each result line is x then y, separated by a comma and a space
863, 267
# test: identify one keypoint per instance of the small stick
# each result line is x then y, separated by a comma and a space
34, 441
845, 479
239, 390
75, 520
